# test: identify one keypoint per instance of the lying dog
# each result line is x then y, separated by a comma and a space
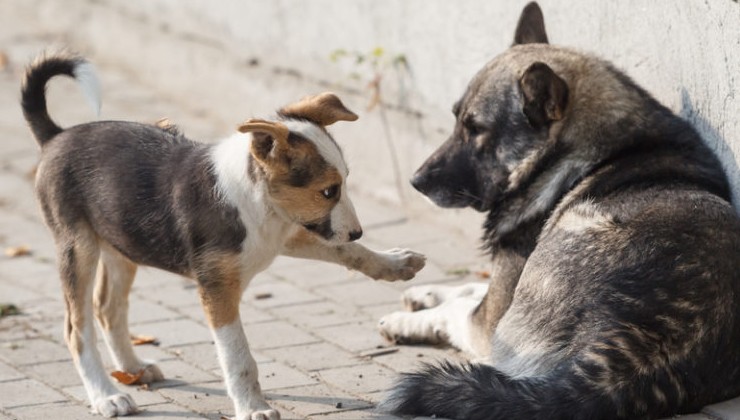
615, 291
121, 194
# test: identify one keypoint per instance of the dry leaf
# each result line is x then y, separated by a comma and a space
483, 274
17, 251
138, 340
127, 378
3, 61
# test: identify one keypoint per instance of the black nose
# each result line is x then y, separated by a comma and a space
353, 236
418, 181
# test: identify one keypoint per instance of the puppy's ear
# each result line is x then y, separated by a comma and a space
531, 26
267, 136
545, 95
323, 109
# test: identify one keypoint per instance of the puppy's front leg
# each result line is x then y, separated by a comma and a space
391, 265
220, 292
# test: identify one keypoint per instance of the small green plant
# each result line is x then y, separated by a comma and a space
373, 67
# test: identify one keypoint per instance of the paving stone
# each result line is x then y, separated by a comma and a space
356, 415
409, 358
360, 293
309, 275
277, 293
142, 311
729, 409
167, 412
178, 332
141, 396
174, 294
310, 357
276, 334
315, 399
360, 379
274, 375
177, 373
57, 374
28, 352
61, 411
9, 373
27, 392
354, 337
206, 399
320, 314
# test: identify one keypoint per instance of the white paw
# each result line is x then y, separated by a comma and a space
411, 328
262, 414
417, 298
397, 264
152, 373
115, 405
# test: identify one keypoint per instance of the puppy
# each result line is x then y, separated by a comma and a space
615, 289
117, 195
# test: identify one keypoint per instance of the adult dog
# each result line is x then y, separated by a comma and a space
119, 194
615, 290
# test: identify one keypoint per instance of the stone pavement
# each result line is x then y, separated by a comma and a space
311, 325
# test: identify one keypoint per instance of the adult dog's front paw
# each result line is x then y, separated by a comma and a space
396, 264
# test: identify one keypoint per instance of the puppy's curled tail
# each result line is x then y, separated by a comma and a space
33, 90
480, 392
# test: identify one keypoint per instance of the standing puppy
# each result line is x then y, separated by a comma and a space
615, 291
117, 195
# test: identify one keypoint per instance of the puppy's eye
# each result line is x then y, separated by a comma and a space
330, 192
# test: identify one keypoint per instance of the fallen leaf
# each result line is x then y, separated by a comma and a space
127, 378
139, 340
3, 61
17, 251
483, 274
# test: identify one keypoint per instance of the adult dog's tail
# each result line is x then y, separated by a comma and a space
480, 392
33, 90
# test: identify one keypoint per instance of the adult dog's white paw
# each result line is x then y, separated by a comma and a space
115, 405
417, 298
410, 328
396, 264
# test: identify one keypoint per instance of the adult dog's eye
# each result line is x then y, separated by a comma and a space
330, 192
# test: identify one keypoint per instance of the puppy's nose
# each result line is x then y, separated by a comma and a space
355, 235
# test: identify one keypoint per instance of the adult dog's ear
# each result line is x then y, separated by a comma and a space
267, 137
531, 26
545, 95
323, 109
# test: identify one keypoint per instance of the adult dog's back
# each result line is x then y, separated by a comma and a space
619, 296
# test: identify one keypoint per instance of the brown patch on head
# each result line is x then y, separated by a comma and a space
323, 109
219, 277
300, 181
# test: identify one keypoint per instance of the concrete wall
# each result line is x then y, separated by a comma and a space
236, 59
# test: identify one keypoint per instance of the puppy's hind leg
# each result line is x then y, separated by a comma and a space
114, 279
78, 257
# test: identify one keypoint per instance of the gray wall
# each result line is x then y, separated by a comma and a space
236, 59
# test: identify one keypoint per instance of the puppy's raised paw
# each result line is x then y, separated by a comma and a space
396, 264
